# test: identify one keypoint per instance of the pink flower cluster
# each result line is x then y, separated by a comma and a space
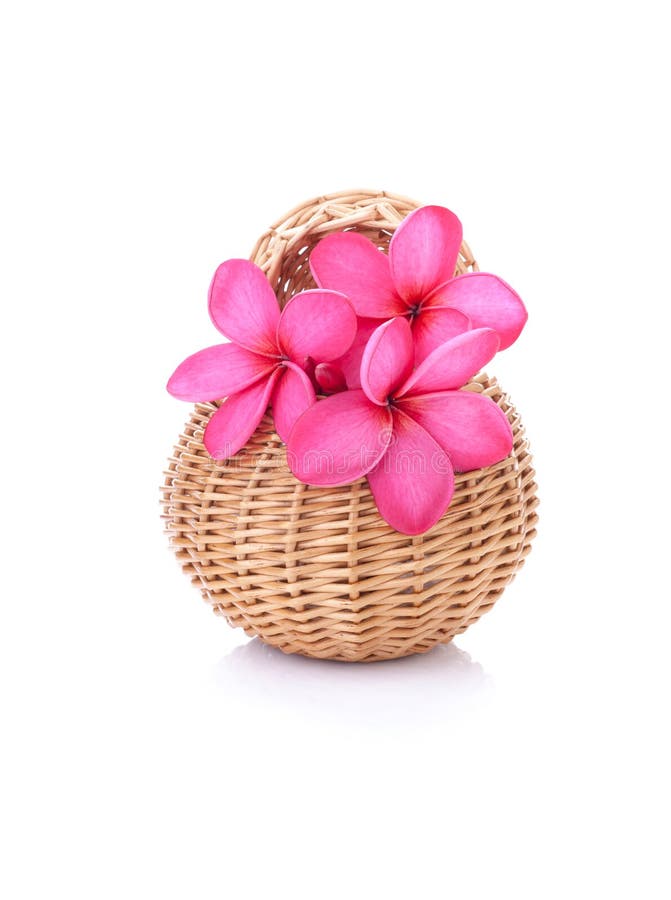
364, 373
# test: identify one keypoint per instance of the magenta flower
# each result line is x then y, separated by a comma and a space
407, 431
416, 281
268, 358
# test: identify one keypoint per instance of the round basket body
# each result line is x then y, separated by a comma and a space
317, 571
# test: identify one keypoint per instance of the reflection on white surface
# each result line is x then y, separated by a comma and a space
417, 690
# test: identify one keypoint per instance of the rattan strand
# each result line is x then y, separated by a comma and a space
316, 571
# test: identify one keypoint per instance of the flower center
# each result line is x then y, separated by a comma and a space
414, 310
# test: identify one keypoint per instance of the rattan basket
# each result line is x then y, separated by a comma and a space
317, 571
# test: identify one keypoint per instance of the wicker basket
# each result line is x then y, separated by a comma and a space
316, 571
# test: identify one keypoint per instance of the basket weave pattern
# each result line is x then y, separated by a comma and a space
316, 570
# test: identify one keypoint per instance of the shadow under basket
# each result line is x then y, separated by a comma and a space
317, 571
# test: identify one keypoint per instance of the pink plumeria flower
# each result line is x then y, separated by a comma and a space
407, 431
268, 357
416, 280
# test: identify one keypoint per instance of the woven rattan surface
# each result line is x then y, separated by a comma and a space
316, 570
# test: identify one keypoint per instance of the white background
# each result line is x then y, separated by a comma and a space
149, 750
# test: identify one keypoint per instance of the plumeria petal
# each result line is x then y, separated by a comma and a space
432, 327
423, 251
387, 360
319, 324
413, 483
350, 363
330, 378
453, 363
339, 439
237, 418
488, 302
470, 427
216, 372
293, 394
243, 306
350, 263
